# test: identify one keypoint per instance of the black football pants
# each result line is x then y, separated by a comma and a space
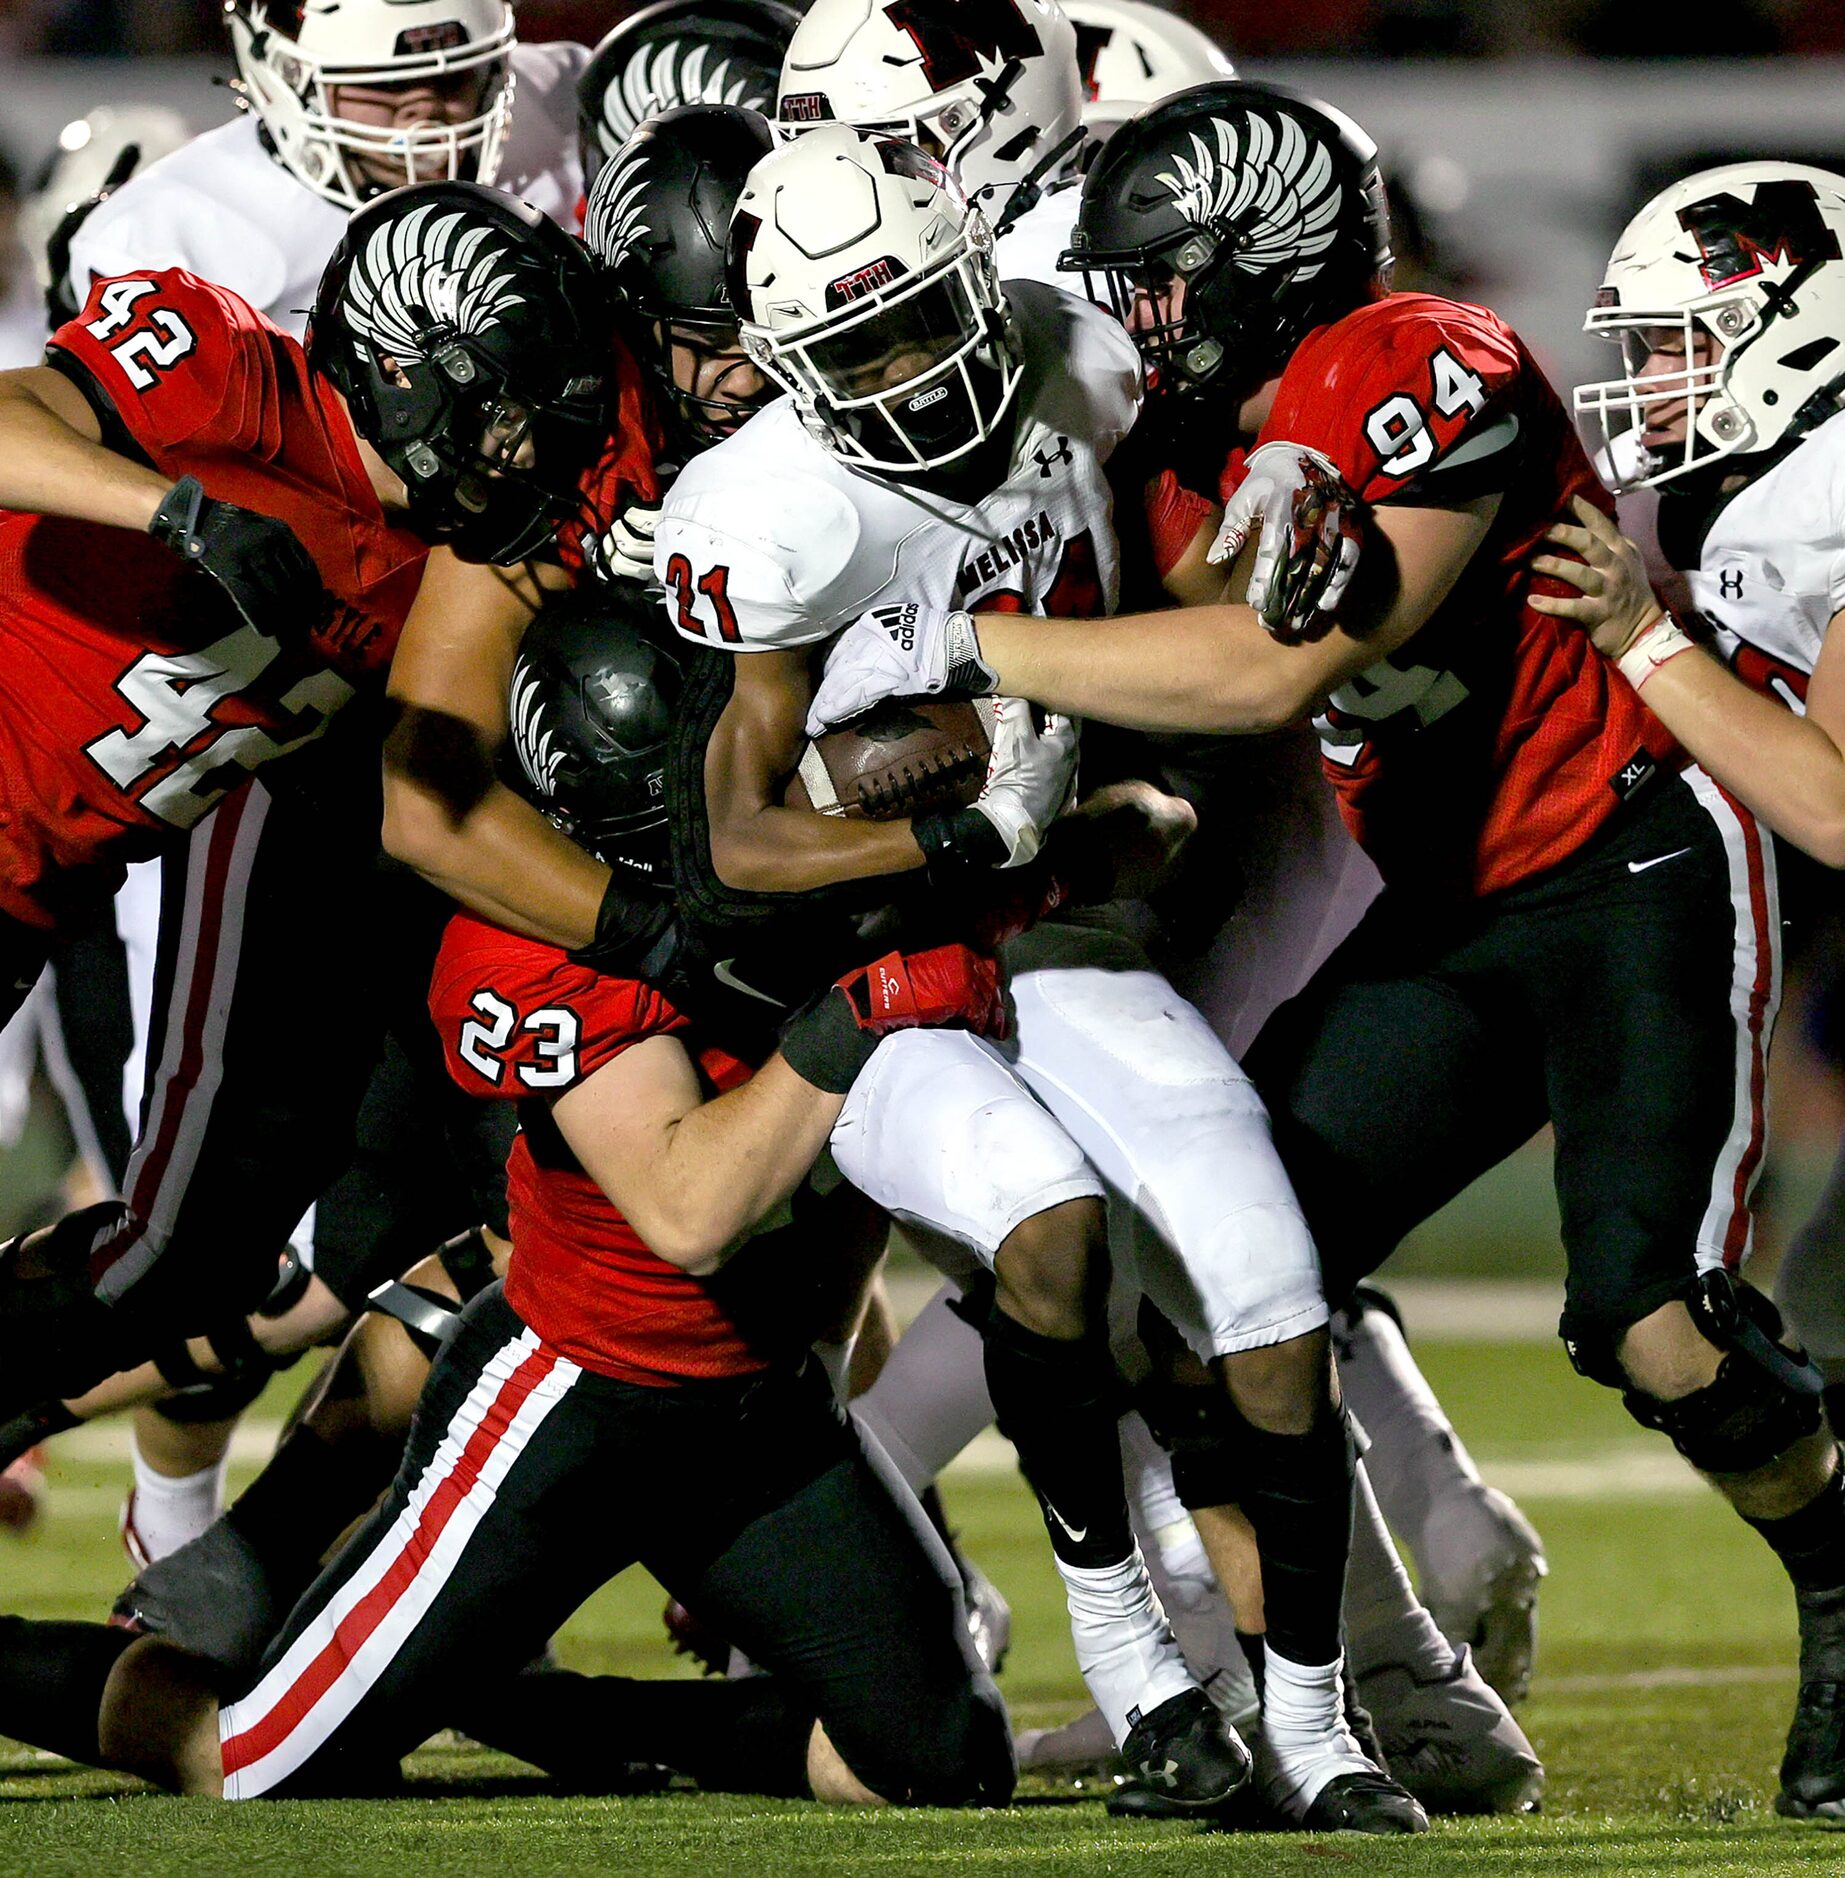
528, 1482
1627, 997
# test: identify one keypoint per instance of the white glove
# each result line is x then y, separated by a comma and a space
1031, 774
1309, 543
902, 651
627, 549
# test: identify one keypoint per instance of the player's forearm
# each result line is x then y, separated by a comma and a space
774, 850
725, 1165
1785, 768
48, 467
499, 858
1206, 668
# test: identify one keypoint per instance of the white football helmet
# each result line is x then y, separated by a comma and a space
990, 88
1133, 55
289, 52
865, 284
1743, 266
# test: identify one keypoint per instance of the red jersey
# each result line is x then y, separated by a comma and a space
520, 1022
131, 696
1496, 741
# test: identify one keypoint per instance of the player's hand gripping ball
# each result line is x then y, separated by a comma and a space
1308, 545
904, 756
905, 651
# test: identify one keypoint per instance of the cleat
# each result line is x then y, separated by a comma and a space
1182, 1759
1361, 1802
1451, 1741
1478, 1569
692, 1637
1813, 1768
989, 1616
22, 1493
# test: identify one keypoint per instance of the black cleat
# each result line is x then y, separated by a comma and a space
1813, 1768
1363, 1803
1182, 1759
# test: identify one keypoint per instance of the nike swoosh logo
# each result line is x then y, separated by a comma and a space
731, 982
1076, 1538
1640, 867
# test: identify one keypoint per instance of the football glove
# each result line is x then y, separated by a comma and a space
904, 651
1308, 547
833, 1038
257, 560
626, 551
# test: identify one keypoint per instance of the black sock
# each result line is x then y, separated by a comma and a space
51, 1683
1250, 1641
1810, 1543
1058, 1403
1297, 1494
301, 1502
745, 1736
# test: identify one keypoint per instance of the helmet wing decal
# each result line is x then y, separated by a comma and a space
426, 269
617, 209
674, 73
1278, 194
540, 755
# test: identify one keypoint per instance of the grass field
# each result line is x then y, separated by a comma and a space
1662, 1695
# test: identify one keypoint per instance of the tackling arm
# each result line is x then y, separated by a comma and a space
1215, 668
445, 812
53, 460
693, 1176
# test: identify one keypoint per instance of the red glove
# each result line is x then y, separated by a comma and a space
906, 991
1174, 516
833, 1038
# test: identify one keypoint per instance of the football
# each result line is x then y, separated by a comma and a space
905, 756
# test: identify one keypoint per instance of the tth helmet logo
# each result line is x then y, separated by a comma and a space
959, 39
1737, 239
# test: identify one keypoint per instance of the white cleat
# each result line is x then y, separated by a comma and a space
1479, 1565
1451, 1741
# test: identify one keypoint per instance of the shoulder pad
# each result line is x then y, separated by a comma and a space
752, 557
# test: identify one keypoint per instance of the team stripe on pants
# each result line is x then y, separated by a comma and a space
347, 1645
1755, 997
220, 857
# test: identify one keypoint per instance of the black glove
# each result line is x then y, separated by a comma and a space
258, 561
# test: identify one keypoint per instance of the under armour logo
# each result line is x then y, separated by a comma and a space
1049, 460
1166, 1776
1729, 583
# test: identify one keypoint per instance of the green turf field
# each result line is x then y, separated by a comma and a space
1662, 1695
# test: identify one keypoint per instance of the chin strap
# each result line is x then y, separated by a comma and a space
1030, 191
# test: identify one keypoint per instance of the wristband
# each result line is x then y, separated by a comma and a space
968, 672
956, 843
1650, 648
824, 1043
636, 935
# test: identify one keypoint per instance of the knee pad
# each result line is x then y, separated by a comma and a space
203, 1397
1741, 1421
292, 1278
1766, 1394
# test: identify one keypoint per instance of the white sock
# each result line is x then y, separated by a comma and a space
1418, 1458
1124, 1645
171, 1511
930, 1400
1385, 1622
1182, 1576
1305, 1740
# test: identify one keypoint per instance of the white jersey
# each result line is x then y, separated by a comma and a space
223, 208
1771, 574
1030, 248
770, 541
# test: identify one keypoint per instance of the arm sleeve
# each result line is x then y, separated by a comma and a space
518, 1019
182, 362
1414, 404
